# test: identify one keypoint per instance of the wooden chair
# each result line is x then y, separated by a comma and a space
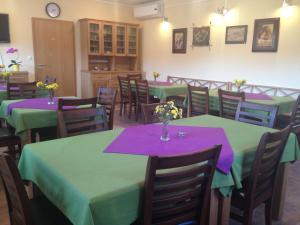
134, 77
127, 95
148, 111
21, 90
22, 211
229, 102
258, 187
257, 114
295, 117
198, 100
11, 141
85, 118
177, 189
107, 97
142, 95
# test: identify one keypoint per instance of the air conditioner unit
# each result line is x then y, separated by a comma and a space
149, 11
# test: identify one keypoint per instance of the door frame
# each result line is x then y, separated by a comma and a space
33, 19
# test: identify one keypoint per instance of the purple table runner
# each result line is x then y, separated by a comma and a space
160, 83
145, 140
2, 87
257, 96
34, 103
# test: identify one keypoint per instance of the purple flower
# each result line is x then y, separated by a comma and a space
11, 50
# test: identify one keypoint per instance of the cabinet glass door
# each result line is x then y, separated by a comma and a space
132, 40
121, 34
108, 39
94, 34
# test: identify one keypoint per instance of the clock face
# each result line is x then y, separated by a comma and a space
53, 10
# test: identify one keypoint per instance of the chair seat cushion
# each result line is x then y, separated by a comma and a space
45, 213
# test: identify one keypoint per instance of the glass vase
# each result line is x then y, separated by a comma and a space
165, 131
50, 97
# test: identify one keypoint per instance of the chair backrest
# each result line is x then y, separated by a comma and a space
107, 97
71, 103
260, 184
257, 114
17, 199
125, 87
177, 189
296, 131
21, 90
198, 100
295, 119
229, 102
142, 91
80, 116
149, 113
137, 76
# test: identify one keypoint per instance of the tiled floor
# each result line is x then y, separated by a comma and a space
291, 214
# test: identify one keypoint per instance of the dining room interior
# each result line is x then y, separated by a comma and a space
143, 112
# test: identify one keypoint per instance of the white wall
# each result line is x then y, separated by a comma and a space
224, 62
21, 12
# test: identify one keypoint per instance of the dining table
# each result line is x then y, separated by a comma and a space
285, 103
163, 89
92, 186
27, 114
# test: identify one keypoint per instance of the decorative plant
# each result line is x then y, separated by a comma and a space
51, 87
3, 71
239, 83
14, 62
156, 75
166, 113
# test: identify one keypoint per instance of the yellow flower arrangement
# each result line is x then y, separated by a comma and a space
5, 74
48, 86
168, 112
239, 82
156, 75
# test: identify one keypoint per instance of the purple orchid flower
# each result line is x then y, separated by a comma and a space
11, 50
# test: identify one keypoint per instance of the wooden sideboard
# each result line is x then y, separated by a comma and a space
19, 77
108, 49
91, 81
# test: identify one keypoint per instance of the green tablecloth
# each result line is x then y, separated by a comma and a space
26, 119
162, 92
95, 188
2, 95
285, 104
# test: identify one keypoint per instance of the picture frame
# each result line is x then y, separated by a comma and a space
236, 34
179, 42
201, 36
266, 35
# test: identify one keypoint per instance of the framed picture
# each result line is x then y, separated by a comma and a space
179, 40
201, 36
266, 35
236, 34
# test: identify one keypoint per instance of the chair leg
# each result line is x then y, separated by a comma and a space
268, 212
130, 109
121, 108
137, 110
248, 217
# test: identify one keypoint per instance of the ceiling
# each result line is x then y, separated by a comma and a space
128, 2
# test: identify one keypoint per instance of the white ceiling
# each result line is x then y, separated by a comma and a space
128, 2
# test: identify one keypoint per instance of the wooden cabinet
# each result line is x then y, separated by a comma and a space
108, 39
132, 41
120, 37
108, 50
94, 41
19, 77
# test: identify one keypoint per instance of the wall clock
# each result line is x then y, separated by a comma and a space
53, 10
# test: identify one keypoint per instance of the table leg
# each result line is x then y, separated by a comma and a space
219, 209
280, 190
214, 203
